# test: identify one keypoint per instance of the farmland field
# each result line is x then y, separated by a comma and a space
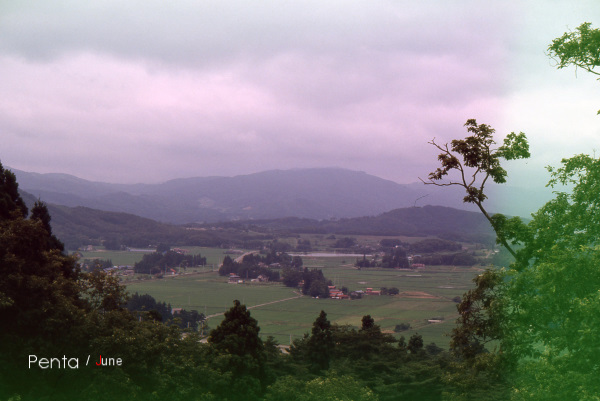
424, 294
213, 255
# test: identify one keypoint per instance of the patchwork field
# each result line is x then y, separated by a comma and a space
425, 294
214, 256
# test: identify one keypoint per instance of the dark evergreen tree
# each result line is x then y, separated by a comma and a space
320, 344
415, 343
146, 303
40, 213
241, 350
10, 200
368, 322
238, 333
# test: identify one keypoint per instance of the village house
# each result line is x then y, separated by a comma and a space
371, 291
334, 293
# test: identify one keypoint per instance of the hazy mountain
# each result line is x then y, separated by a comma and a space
320, 193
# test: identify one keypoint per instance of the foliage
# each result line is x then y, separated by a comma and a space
415, 343
158, 262
453, 259
240, 352
396, 258
580, 48
401, 327
480, 162
238, 333
320, 344
278, 246
291, 277
553, 286
332, 387
254, 265
538, 311
96, 264
304, 245
346, 242
392, 258
10, 200
147, 303
315, 284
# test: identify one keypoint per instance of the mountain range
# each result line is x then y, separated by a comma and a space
318, 193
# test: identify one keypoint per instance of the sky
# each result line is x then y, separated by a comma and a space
147, 90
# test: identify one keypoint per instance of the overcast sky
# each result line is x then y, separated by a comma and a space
145, 91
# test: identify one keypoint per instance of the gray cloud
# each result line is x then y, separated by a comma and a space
146, 91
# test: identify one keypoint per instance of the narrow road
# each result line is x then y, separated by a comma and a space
259, 305
240, 258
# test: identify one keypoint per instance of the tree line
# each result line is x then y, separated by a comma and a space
160, 262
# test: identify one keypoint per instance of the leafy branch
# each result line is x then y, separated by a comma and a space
476, 161
580, 48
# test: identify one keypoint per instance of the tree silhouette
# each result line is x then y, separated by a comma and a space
320, 343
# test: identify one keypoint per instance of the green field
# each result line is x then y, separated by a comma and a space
214, 256
424, 294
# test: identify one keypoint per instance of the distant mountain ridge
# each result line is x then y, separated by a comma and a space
317, 193
79, 226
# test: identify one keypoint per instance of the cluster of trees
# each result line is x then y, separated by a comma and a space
254, 265
453, 259
395, 255
375, 365
160, 311
392, 258
162, 260
313, 281
279, 246
389, 291
96, 264
344, 243
146, 307
303, 245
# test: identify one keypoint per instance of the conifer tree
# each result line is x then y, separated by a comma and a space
320, 344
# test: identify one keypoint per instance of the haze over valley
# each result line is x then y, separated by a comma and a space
318, 193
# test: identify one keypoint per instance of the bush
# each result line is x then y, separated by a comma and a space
401, 327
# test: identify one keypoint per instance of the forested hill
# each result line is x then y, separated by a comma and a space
78, 226
444, 222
